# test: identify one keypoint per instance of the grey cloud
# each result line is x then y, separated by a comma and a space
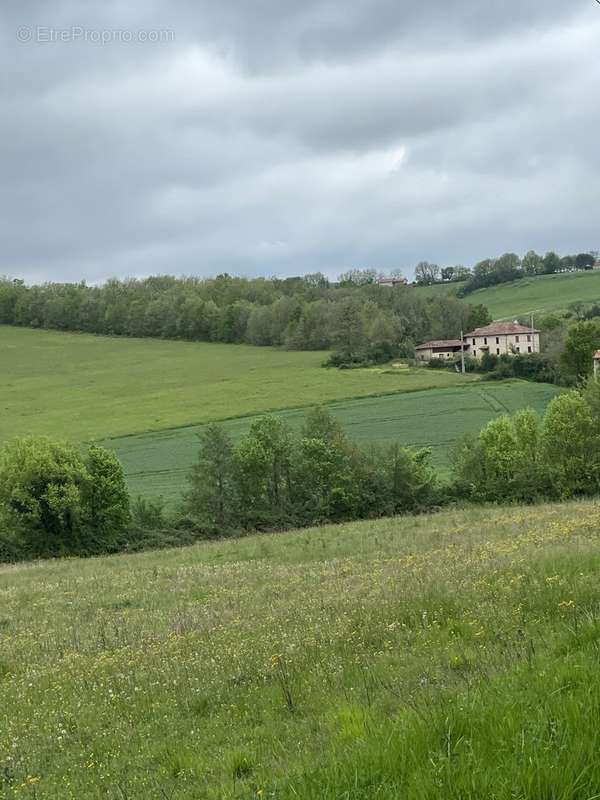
272, 137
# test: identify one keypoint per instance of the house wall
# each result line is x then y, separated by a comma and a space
476, 346
504, 343
427, 355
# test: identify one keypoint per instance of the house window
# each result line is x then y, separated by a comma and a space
497, 340
497, 351
485, 340
516, 338
474, 352
529, 349
528, 338
518, 349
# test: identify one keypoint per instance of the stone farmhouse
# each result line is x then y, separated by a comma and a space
391, 282
438, 348
498, 338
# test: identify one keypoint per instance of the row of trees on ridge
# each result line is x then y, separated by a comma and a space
507, 267
356, 318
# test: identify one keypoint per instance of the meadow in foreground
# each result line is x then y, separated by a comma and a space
451, 656
81, 387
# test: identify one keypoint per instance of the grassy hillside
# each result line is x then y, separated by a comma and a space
158, 463
540, 294
537, 294
453, 656
80, 387
439, 289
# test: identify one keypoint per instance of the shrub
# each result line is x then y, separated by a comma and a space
488, 362
441, 363
524, 458
583, 338
148, 513
57, 503
106, 502
571, 445
503, 463
42, 484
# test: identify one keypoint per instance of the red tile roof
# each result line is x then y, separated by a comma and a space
440, 343
501, 329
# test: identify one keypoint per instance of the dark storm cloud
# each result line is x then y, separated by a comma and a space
277, 137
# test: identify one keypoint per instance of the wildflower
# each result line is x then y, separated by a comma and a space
566, 604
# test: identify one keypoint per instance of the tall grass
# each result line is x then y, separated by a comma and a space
450, 656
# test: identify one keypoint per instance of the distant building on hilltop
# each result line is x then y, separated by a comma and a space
498, 338
391, 282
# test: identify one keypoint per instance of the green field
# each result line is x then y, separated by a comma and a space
80, 387
439, 289
537, 294
450, 656
148, 399
158, 463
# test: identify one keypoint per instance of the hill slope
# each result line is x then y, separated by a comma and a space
538, 294
158, 463
448, 656
79, 386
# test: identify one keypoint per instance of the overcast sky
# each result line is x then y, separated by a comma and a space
277, 137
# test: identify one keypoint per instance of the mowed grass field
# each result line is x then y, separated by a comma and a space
81, 387
540, 294
157, 464
450, 656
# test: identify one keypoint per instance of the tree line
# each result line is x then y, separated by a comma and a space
356, 317
55, 501
502, 269
509, 267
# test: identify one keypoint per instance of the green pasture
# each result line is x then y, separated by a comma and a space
439, 289
448, 656
158, 463
538, 294
81, 387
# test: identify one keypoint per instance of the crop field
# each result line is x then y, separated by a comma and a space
539, 294
157, 464
448, 656
81, 387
